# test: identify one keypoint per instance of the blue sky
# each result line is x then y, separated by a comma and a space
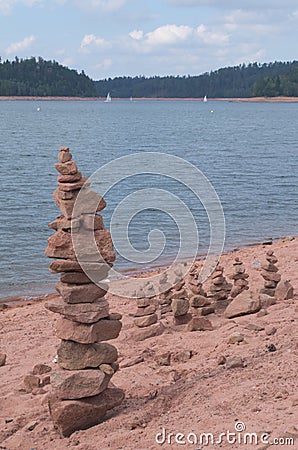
108, 38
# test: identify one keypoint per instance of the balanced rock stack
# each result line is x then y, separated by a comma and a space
145, 318
219, 289
80, 394
239, 277
180, 302
200, 304
271, 276
165, 298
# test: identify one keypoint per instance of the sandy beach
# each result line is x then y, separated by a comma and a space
190, 393
101, 99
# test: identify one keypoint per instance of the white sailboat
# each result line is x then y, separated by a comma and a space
205, 99
108, 99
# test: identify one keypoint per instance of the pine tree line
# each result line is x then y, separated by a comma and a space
270, 79
37, 77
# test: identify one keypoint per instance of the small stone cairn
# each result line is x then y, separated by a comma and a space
239, 277
80, 396
145, 318
219, 289
200, 304
271, 276
180, 303
165, 298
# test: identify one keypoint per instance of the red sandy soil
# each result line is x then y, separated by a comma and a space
249, 99
192, 394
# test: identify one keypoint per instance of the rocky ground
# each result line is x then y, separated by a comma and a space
179, 382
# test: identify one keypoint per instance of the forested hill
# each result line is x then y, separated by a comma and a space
37, 77
269, 80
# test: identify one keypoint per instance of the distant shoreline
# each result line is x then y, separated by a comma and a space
101, 99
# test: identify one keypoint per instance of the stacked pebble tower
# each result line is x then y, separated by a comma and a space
219, 289
269, 272
200, 304
145, 317
239, 278
180, 303
80, 395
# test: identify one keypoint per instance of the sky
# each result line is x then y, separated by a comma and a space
109, 38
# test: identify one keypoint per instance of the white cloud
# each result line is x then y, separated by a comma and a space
173, 36
169, 34
212, 37
90, 41
136, 34
16, 47
6, 6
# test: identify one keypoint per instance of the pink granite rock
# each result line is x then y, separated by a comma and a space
60, 223
81, 312
73, 186
97, 270
180, 306
71, 415
148, 332
145, 321
65, 206
147, 311
199, 324
271, 276
75, 278
64, 157
67, 168
86, 293
198, 301
284, 290
75, 356
60, 246
269, 267
103, 330
71, 385
70, 178
244, 303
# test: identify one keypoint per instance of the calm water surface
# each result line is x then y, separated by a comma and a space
248, 152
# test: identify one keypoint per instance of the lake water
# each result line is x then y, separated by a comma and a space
248, 151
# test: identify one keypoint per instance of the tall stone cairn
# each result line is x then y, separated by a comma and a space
239, 277
80, 395
271, 279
